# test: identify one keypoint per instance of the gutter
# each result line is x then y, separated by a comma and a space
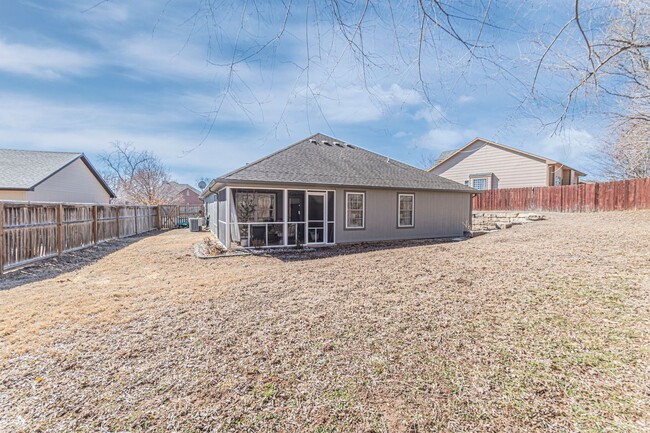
220, 182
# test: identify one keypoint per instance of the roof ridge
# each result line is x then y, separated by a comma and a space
493, 143
344, 165
41, 151
264, 158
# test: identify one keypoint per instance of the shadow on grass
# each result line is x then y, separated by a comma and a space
71, 261
294, 255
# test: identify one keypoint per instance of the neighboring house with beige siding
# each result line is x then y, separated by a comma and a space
56, 177
484, 164
322, 191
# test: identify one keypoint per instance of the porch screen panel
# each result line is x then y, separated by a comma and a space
256, 214
296, 217
234, 227
330, 217
221, 216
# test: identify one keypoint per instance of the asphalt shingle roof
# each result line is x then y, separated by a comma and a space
318, 160
445, 154
180, 187
24, 169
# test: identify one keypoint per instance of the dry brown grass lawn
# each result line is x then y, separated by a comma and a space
543, 327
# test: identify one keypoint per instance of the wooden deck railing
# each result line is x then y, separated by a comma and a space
30, 232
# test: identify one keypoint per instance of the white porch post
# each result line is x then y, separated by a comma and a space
285, 229
228, 204
325, 217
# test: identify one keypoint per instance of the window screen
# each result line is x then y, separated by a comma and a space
354, 210
405, 211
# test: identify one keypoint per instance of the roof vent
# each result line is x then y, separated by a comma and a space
339, 144
312, 140
327, 143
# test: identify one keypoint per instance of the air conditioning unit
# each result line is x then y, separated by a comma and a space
195, 224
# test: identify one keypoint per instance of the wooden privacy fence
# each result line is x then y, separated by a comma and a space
620, 195
172, 215
30, 232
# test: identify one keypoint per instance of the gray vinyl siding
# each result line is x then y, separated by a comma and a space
510, 169
437, 214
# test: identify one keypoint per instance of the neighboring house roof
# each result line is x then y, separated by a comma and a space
444, 155
449, 154
323, 160
180, 187
24, 170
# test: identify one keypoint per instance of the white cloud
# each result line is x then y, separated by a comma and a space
440, 139
86, 11
430, 114
464, 99
39, 124
356, 104
148, 55
572, 146
106, 12
337, 105
44, 62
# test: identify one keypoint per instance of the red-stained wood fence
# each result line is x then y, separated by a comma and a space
608, 196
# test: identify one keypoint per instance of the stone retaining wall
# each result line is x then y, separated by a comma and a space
502, 220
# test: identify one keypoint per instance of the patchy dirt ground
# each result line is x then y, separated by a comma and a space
543, 327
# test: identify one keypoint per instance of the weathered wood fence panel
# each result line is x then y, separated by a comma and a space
107, 223
127, 221
172, 215
30, 232
77, 225
608, 196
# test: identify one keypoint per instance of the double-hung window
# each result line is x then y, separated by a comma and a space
355, 210
405, 210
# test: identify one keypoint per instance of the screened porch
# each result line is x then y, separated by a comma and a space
276, 217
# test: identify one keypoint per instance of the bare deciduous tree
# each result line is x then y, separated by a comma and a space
628, 155
137, 176
427, 160
600, 53
605, 50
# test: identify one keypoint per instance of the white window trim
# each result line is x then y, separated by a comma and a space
363, 210
487, 183
399, 202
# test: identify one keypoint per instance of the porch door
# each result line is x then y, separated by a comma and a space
316, 212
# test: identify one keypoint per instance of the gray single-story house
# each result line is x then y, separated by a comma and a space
323, 191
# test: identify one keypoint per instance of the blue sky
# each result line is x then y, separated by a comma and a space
148, 72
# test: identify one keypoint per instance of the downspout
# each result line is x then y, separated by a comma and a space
471, 211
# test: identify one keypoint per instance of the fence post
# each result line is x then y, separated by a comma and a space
94, 224
2, 236
596, 197
531, 202
117, 222
159, 216
135, 219
59, 229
